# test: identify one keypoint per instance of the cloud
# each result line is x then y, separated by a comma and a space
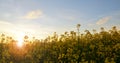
90, 24
33, 14
69, 17
30, 29
103, 20
5, 23
6, 26
68, 14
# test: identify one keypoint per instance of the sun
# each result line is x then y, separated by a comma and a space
20, 41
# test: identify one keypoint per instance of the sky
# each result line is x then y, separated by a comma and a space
41, 18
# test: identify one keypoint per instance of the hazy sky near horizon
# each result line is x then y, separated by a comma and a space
43, 17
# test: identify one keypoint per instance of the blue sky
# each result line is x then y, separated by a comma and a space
43, 17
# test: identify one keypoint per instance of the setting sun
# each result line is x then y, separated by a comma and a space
20, 40
20, 44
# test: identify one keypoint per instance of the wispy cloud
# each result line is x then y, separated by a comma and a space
6, 26
69, 17
103, 20
4, 22
33, 14
68, 14
39, 31
90, 24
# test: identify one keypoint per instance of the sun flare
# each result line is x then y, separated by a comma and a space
19, 44
20, 41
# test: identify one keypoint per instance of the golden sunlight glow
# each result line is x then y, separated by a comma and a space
20, 43
20, 40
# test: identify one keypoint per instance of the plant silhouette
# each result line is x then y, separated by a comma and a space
73, 47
